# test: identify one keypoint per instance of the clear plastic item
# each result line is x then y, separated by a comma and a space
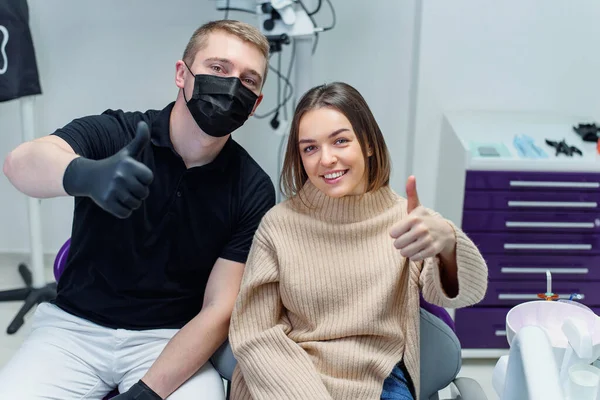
584, 381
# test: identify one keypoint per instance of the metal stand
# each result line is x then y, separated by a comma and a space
413, 92
303, 68
36, 290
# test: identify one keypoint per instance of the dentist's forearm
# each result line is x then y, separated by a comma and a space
37, 168
188, 350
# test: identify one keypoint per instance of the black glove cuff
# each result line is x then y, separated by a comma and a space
75, 177
141, 391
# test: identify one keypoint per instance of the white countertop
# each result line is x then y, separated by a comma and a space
497, 130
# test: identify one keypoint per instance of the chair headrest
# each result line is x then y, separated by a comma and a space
224, 361
440, 354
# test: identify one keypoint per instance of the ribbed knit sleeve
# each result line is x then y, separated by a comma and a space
273, 365
472, 275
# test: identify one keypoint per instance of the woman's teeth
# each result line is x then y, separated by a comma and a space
334, 175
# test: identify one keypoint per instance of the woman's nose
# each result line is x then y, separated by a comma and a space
328, 158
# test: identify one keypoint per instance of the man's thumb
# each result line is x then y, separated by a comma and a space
411, 194
140, 141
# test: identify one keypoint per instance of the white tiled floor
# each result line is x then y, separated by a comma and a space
480, 370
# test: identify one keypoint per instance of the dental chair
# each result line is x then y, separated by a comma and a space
440, 352
440, 361
441, 358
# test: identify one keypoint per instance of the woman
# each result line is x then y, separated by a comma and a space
329, 301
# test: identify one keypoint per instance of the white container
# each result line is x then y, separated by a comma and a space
550, 315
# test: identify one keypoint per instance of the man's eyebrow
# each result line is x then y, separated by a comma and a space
228, 62
218, 59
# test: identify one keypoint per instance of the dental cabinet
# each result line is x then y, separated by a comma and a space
528, 210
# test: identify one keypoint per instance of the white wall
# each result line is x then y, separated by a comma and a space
535, 55
475, 54
121, 54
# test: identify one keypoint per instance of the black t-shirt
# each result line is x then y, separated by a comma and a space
150, 270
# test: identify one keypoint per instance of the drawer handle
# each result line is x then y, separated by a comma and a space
548, 246
525, 296
588, 185
566, 271
522, 224
500, 333
566, 204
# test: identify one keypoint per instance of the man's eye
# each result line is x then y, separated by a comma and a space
250, 82
217, 68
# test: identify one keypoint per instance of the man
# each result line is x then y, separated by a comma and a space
166, 205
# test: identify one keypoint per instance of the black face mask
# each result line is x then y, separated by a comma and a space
219, 105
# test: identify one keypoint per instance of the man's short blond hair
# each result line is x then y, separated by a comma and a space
242, 30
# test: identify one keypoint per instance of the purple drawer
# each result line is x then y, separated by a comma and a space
484, 328
527, 180
549, 201
514, 221
528, 268
510, 293
481, 328
536, 243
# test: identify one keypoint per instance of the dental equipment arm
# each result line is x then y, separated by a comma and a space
532, 368
276, 18
467, 388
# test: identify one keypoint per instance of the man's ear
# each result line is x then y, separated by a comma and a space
180, 69
257, 104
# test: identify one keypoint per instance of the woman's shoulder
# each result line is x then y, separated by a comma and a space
280, 209
278, 213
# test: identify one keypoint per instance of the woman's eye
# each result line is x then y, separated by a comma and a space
308, 149
341, 141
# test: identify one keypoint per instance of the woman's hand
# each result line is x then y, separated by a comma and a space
421, 235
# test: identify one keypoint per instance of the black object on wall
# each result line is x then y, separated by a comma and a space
18, 67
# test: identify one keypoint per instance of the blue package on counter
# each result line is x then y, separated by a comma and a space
527, 148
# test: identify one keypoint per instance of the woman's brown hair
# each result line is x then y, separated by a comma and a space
348, 101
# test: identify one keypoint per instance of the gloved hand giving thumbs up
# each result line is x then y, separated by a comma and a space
420, 234
118, 183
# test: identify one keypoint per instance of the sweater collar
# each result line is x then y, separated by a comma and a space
347, 209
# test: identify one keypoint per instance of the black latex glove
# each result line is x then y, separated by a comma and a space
118, 183
139, 391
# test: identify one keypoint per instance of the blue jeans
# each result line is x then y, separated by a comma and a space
397, 386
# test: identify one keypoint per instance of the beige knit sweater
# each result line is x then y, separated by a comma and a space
325, 309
